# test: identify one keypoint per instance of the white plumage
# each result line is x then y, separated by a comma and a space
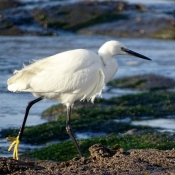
67, 77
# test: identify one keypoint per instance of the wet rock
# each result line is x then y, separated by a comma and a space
15, 17
78, 15
144, 82
136, 25
6, 4
13, 30
113, 18
19, 21
141, 7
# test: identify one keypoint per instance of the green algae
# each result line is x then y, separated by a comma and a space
154, 103
100, 117
56, 130
66, 150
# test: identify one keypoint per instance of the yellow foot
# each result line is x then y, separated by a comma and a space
15, 144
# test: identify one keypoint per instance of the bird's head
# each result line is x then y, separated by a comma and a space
112, 48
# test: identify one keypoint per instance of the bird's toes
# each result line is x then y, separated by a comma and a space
15, 144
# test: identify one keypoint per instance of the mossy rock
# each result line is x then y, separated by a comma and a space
100, 118
167, 32
146, 24
153, 103
79, 15
143, 82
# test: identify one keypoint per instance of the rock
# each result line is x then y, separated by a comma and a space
99, 150
12, 30
143, 161
112, 18
6, 4
78, 15
136, 25
19, 21
144, 82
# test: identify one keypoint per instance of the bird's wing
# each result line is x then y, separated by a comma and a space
70, 71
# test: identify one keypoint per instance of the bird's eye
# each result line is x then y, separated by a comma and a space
122, 48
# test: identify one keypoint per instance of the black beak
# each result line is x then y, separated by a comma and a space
130, 52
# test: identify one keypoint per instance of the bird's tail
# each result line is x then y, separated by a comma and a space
18, 82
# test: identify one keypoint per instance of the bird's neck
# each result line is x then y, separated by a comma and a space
110, 66
105, 57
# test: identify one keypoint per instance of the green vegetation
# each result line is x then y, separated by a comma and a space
66, 150
100, 117
154, 103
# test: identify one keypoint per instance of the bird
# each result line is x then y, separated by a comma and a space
67, 77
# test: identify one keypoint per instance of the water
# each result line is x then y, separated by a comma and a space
167, 124
18, 50
73, 1
15, 51
158, 5
164, 124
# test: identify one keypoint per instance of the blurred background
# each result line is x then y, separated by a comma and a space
34, 29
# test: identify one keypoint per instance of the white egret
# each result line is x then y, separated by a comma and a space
67, 77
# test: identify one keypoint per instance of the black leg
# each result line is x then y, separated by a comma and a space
26, 115
69, 130
16, 141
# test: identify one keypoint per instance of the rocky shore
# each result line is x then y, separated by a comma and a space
119, 147
101, 161
112, 18
122, 148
